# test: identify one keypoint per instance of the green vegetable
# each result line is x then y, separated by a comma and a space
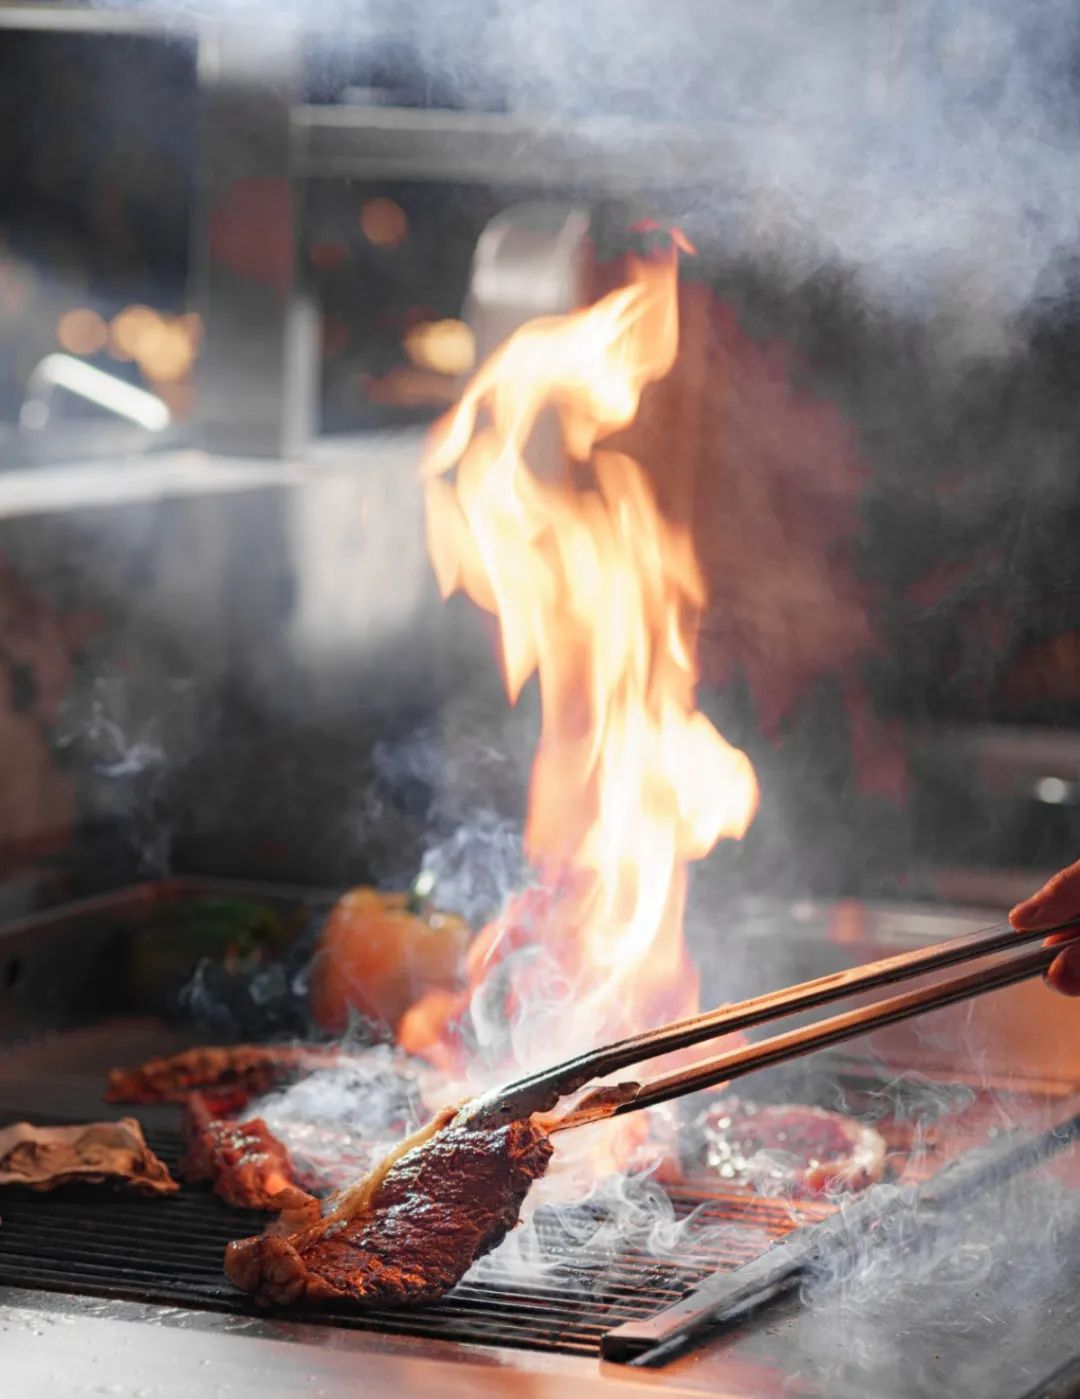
235, 933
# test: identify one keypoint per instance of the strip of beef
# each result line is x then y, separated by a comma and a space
411, 1230
96, 1153
244, 1161
253, 1067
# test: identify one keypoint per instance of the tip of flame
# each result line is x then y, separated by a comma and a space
675, 235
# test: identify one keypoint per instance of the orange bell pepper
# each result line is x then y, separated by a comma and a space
379, 952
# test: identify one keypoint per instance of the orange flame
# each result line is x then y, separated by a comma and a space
600, 596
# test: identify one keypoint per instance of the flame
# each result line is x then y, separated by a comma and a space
600, 596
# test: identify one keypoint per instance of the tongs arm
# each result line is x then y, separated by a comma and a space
540, 1092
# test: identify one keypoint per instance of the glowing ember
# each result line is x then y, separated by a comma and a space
600, 596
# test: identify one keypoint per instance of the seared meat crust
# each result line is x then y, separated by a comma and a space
244, 1161
254, 1067
93, 1153
438, 1208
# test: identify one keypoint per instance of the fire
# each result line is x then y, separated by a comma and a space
600, 597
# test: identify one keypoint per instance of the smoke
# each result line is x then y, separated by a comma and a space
338, 1122
931, 147
623, 1224
127, 739
464, 778
461, 781
964, 1302
930, 150
943, 1279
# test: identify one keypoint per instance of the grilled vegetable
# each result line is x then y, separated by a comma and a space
378, 952
234, 934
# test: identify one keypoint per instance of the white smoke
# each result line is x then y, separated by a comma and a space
929, 146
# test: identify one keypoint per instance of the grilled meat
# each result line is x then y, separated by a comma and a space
790, 1147
253, 1067
244, 1161
410, 1230
96, 1153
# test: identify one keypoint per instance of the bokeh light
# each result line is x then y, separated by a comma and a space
447, 346
162, 346
81, 331
383, 223
165, 350
126, 330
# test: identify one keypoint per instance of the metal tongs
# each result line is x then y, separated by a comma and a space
540, 1092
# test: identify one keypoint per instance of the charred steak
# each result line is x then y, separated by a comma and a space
406, 1235
244, 1161
253, 1067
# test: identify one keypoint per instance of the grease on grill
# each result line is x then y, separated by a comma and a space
788, 1149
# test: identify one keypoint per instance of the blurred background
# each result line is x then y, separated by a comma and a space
241, 263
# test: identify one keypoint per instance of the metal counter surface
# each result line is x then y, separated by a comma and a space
72, 1346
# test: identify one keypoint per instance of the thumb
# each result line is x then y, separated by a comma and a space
1056, 902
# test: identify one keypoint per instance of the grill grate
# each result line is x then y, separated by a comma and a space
170, 1250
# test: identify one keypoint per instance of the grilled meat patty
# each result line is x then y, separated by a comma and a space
253, 1067
439, 1207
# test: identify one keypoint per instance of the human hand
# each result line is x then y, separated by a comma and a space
1056, 902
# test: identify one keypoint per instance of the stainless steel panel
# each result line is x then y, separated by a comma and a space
90, 19
596, 155
129, 1349
256, 374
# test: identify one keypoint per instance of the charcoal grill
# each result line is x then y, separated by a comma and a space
89, 1255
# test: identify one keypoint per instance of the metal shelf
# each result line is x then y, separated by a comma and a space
86, 19
493, 149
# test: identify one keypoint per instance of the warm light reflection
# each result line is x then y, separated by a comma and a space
162, 346
444, 346
165, 351
383, 223
127, 329
81, 331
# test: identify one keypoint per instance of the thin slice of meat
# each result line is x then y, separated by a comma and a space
255, 1068
95, 1153
789, 1148
244, 1161
410, 1230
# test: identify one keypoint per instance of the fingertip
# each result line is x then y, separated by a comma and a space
1027, 916
1064, 973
